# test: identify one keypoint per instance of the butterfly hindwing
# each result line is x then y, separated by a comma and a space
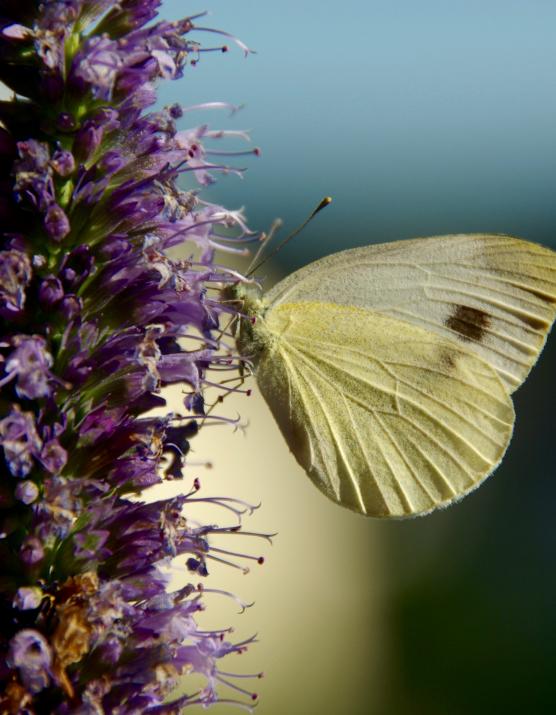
387, 418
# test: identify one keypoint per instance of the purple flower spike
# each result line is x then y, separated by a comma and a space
102, 308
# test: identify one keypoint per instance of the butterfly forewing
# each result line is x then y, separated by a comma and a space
495, 295
387, 418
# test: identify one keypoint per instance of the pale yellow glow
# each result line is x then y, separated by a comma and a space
318, 596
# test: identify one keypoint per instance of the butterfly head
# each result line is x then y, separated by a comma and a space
246, 300
249, 325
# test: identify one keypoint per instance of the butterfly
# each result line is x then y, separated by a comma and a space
389, 368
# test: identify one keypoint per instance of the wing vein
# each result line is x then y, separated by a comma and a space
415, 405
320, 359
339, 448
326, 344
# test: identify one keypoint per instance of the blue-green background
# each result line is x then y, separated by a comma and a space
419, 118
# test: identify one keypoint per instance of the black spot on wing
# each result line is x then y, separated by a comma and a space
469, 323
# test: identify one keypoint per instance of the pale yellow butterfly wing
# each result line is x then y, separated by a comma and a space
387, 419
495, 295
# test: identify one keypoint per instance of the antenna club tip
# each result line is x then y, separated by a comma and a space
323, 204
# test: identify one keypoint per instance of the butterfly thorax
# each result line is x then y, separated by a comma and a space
251, 333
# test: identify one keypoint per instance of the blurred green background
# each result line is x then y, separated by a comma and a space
419, 118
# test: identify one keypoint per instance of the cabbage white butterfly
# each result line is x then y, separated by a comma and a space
389, 368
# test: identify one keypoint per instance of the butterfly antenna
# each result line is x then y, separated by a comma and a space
323, 204
266, 238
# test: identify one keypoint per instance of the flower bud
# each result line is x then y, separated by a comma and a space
31, 551
28, 598
26, 492
56, 223
50, 292
63, 162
